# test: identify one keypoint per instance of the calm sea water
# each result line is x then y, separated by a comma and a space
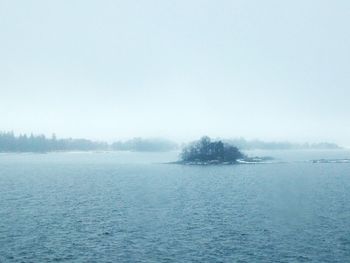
128, 207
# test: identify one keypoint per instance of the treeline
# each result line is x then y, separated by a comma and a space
145, 145
262, 145
39, 143
23, 143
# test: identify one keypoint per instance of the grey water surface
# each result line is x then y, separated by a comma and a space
131, 207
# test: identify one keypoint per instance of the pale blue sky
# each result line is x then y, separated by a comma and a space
274, 70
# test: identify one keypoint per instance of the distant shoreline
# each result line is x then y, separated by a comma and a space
150, 152
23, 143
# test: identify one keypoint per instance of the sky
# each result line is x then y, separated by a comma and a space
272, 70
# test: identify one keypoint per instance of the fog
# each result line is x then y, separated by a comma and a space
113, 70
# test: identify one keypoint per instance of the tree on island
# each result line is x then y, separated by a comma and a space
206, 150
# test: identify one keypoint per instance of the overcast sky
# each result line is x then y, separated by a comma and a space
274, 70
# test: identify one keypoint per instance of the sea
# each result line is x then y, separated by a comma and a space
136, 207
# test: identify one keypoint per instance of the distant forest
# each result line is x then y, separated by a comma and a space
32, 143
23, 143
244, 144
9, 142
145, 145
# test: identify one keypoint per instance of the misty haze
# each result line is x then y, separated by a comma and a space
174, 131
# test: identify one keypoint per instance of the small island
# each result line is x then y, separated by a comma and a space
208, 152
